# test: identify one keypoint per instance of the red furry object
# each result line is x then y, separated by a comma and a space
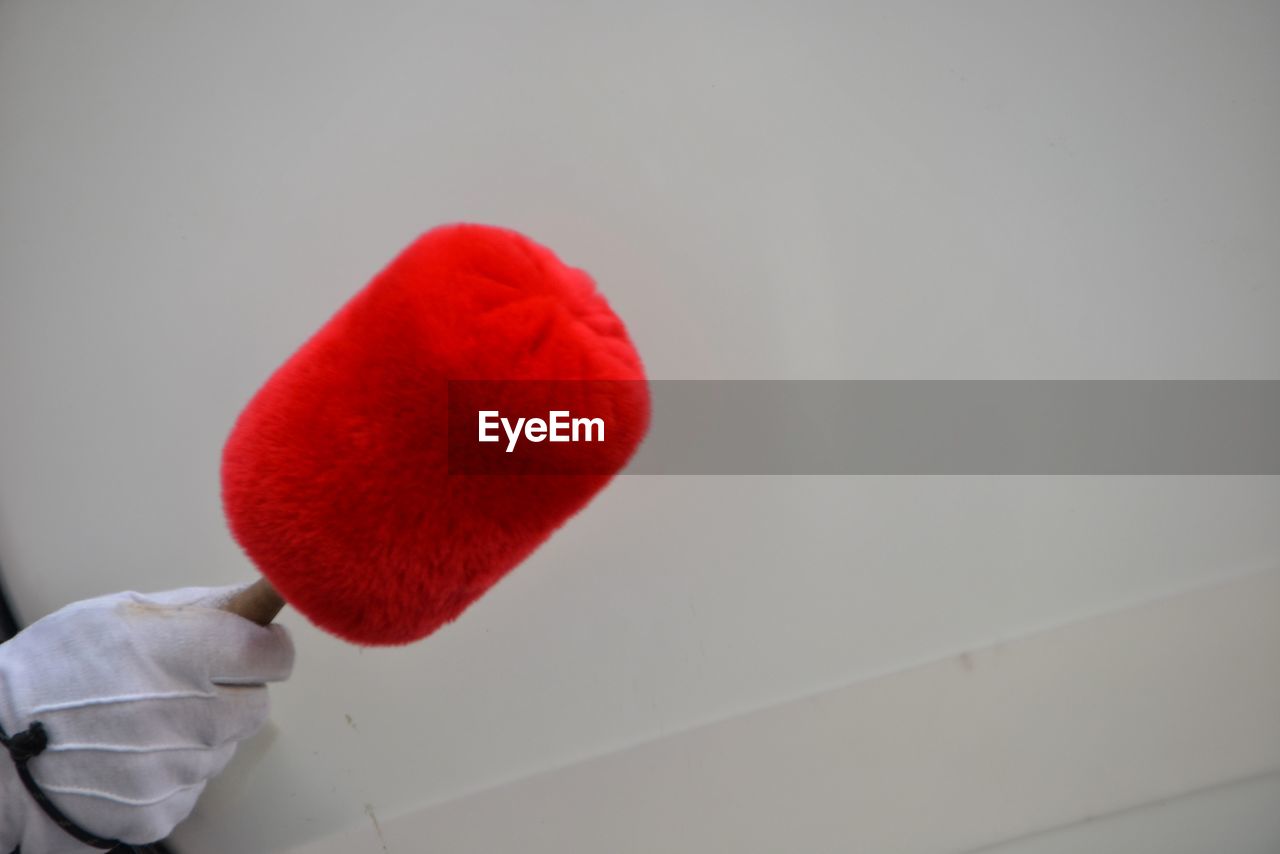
336, 478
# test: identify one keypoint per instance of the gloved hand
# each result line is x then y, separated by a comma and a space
144, 698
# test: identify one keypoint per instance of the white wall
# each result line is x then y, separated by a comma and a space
1111, 733
892, 190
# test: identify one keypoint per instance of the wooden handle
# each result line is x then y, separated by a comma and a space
258, 602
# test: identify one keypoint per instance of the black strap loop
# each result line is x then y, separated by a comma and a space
25, 746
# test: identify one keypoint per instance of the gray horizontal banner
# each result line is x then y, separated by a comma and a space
714, 427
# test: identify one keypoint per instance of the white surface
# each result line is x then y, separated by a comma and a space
787, 190
1239, 817
1048, 731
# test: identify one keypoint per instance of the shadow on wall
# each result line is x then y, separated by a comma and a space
8, 622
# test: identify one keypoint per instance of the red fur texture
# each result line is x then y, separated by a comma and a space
335, 478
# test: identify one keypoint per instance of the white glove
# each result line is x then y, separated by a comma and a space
144, 698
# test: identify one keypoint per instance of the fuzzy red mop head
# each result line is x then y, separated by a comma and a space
463, 405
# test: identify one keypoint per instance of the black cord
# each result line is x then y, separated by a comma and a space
27, 745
